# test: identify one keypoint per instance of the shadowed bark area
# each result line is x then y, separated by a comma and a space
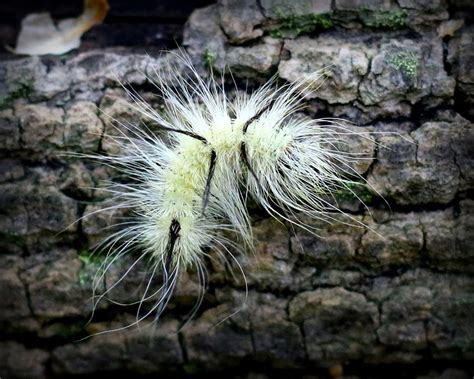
347, 301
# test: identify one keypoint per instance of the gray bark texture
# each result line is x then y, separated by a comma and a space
348, 303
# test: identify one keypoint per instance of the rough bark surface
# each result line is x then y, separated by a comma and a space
349, 299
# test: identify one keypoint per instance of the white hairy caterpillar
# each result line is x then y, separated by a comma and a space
193, 185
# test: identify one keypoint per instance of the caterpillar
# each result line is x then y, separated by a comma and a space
189, 188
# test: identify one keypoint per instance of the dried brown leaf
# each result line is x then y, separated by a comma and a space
39, 34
